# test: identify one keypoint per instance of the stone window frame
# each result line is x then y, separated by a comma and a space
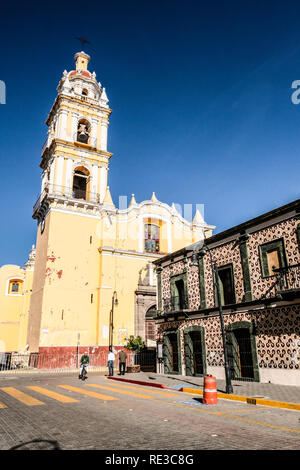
277, 244
201, 329
165, 335
229, 330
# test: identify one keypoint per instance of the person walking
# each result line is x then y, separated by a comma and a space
110, 361
122, 362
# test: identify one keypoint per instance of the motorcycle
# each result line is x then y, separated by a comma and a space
83, 375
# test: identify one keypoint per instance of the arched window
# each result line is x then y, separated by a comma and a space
15, 286
84, 92
83, 131
150, 327
80, 183
151, 238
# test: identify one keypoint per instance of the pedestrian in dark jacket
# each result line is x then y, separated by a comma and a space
122, 362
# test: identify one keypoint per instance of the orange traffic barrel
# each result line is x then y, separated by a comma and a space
210, 396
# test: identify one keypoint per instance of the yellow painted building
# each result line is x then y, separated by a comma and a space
15, 292
91, 255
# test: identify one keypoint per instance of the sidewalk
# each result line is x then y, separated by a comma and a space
282, 396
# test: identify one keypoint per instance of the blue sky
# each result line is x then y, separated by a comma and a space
201, 100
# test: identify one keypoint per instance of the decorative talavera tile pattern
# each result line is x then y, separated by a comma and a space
277, 336
286, 230
193, 288
228, 253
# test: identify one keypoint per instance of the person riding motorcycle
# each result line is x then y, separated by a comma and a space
84, 361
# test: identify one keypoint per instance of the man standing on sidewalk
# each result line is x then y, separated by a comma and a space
110, 361
122, 362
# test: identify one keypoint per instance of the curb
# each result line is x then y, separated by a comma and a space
139, 382
249, 400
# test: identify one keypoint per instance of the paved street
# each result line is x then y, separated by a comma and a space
110, 415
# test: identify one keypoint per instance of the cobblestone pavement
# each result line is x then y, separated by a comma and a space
127, 416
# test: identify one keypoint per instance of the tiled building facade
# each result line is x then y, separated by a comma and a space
258, 269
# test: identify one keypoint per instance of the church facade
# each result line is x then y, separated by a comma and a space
93, 281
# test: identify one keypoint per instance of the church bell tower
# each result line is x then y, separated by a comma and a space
74, 193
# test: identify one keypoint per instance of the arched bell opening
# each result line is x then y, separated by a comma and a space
81, 180
83, 131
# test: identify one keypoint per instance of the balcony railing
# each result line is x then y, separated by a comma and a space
55, 191
286, 282
175, 304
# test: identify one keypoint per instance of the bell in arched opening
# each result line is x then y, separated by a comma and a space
83, 131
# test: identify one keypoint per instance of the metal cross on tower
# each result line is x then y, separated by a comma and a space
83, 42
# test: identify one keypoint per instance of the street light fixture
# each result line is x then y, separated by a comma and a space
114, 302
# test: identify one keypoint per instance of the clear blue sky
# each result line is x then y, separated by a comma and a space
200, 93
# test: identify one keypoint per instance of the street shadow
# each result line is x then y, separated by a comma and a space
37, 444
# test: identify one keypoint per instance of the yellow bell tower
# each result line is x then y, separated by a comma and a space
73, 191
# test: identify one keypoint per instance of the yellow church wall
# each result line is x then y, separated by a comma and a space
10, 308
71, 276
24, 316
120, 273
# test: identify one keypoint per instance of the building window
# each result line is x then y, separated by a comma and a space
226, 283
150, 327
15, 286
151, 238
272, 257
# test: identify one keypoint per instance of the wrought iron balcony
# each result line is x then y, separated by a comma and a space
286, 284
175, 304
55, 192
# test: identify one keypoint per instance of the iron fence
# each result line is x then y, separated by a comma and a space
48, 361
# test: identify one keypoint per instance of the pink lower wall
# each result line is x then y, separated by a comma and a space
64, 357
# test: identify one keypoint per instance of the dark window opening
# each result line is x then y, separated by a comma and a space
240, 354
197, 352
180, 297
226, 285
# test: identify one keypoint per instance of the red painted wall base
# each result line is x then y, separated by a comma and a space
65, 357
